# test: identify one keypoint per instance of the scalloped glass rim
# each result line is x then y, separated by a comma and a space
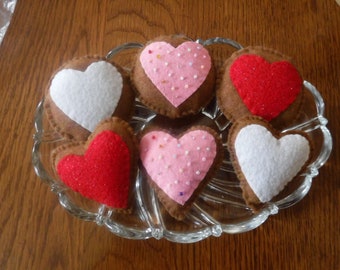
147, 205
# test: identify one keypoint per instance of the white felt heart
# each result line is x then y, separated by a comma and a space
268, 163
90, 96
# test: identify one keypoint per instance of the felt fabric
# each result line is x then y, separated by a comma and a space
90, 96
268, 163
178, 166
176, 72
102, 173
267, 89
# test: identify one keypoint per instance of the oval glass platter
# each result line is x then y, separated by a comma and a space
218, 209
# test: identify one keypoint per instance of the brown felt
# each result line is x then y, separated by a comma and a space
248, 194
154, 99
69, 128
231, 103
176, 210
120, 127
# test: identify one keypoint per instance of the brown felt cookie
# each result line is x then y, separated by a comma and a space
85, 91
103, 168
266, 160
174, 76
179, 166
262, 82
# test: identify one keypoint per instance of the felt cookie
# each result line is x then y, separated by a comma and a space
84, 92
103, 168
174, 76
262, 82
178, 167
264, 159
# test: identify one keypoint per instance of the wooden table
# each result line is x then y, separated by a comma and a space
37, 233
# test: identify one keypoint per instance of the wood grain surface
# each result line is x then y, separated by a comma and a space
37, 233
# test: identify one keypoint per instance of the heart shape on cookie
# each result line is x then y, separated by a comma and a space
101, 169
87, 97
266, 89
178, 165
176, 72
265, 159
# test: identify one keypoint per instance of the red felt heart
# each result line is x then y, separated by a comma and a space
267, 89
102, 173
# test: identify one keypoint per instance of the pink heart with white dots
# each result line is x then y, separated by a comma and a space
178, 166
176, 72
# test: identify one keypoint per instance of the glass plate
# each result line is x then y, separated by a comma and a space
218, 209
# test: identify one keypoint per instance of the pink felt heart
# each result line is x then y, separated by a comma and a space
102, 173
267, 89
178, 166
176, 72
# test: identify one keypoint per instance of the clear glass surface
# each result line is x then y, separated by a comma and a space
6, 10
218, 209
